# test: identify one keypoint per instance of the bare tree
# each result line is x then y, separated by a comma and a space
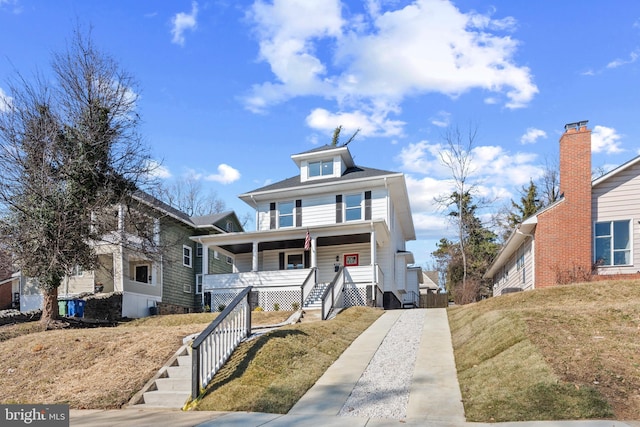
458, 158
188, 196
549, 184
69, 151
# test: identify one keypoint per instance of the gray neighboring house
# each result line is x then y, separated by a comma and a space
169, 283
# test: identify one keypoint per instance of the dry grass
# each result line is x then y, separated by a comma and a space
271, 373
567, 352
94, 368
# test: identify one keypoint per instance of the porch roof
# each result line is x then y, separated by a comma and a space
294, 237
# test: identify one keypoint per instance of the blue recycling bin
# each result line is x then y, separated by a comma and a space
75, 308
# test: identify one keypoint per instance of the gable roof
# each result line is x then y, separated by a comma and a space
206, 221
615, 171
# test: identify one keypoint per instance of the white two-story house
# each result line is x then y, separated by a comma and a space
334, 224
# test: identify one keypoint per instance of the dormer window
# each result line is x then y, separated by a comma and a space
321, 168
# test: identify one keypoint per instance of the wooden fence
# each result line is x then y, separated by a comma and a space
434, 300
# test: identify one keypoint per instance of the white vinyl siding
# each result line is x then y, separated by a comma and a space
320, 210
517, 273
618, 199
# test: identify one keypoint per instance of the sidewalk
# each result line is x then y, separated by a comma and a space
434, 400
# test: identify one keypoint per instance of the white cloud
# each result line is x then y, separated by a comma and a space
226, 175
368, 63
369, 124
157, 170
604, 139
182, 22
442, 119
633, 57
11, 5
5, 101
532, 135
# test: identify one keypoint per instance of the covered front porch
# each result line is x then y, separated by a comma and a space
289, 271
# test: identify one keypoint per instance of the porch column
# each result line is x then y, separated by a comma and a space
205, 259
254, 260
373, 247
314, 253
374, 293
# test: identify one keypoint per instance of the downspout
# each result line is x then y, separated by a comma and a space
533, 254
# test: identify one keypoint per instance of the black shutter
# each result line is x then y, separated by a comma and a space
339, 208
272, 216
281, 260
298, 213
367, 205
307, 259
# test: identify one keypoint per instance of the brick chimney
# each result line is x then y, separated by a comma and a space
563, 234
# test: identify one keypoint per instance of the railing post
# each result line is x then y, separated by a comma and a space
248, 319
195, 372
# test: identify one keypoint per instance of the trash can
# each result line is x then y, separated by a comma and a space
80, 308
62, 308
153, 310
76, 308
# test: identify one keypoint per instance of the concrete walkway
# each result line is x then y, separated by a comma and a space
434, 400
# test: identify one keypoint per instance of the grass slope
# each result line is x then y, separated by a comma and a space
568, 352
94, 368
272, 372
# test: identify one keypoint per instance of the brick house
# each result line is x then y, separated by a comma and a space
588, 233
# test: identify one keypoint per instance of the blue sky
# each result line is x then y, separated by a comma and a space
230, 89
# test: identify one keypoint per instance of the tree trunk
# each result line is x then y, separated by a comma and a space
50, 306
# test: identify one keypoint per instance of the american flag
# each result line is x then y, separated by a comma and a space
307, 242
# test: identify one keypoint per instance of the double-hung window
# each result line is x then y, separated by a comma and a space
613, 243
285, 215
321, 168
186, 255
353, 207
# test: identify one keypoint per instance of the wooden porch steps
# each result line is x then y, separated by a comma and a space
314, 300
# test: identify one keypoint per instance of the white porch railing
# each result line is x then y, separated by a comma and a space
212, 348
288, 289
255, 279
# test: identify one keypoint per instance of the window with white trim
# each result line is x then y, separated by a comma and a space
186, 256
285, 214
77, 271
353, 207
612, 243
199, 250
216, 254
320, 168
198, 283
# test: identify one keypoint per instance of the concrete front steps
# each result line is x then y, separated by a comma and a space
171, 386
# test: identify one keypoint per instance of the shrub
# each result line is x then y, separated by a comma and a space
295, 306
276, 307
221, 307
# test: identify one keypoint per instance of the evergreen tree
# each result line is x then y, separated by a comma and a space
480, 247
529, 205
